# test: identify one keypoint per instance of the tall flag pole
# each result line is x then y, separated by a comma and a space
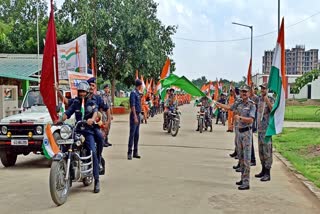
249, 75
49, 73
278, 84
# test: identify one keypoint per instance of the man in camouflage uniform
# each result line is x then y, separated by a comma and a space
245, 117
265, 104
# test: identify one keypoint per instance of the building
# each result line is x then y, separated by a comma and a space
310, 91
298, 60
20, 70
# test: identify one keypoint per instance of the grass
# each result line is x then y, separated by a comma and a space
302, 113
121, 101
301, 146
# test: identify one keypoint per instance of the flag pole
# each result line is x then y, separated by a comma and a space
55, 77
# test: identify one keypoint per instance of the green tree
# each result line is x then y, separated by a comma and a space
200, 81
127, 34
20, 29
306, 78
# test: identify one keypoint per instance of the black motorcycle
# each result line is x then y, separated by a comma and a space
73, 164
204, 119
173, 122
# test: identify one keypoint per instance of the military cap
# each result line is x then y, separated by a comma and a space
244, 88
264, 85
91, 80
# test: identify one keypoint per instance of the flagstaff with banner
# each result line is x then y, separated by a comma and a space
49, 73
278, 84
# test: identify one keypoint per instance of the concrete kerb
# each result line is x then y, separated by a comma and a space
311, 186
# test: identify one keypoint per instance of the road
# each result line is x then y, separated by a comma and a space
191, 173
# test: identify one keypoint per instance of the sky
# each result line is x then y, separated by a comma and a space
211, 20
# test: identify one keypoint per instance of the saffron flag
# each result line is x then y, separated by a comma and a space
49, 145
278, 84
165, 70
249, 75
49, 75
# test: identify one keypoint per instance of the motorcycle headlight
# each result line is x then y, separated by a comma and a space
39, 129
4, 130
65, 132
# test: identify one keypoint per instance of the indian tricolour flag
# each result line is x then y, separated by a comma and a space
49, 146
82, 108
278, 84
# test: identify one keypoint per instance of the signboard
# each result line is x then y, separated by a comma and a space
72, 57
74, 79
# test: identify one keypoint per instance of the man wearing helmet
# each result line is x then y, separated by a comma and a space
169, 104
90, 114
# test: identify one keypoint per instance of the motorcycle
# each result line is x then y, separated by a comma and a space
73, 164
204, 120
173, 122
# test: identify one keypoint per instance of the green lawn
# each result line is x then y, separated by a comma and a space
302, 113
121, 101
301, 146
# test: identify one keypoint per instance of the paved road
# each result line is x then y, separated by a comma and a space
187, 174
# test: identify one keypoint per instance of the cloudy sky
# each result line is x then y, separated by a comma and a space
210, 20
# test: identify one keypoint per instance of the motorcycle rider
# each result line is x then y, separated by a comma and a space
222, 100
205, 102
90, 115
170, 103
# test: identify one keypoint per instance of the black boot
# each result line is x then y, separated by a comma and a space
233, 154
236, 166
239, 183
244, 187
96, 186
266, 176
261, 174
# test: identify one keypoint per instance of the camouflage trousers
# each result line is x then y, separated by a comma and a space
245, 145
236, 141
265, 150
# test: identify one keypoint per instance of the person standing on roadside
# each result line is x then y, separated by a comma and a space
108, 100
135, 106
245, 118
265, 104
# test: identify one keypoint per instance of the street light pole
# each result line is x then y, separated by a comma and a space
251, 28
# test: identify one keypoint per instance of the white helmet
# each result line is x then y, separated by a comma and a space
83, 86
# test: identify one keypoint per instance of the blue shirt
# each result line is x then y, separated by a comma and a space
90, 108
100, 103
135, 100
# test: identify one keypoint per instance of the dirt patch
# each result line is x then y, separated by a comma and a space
312, 151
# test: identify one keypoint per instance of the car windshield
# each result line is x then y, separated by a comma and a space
33, 98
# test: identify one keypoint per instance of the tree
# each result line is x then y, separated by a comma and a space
19, 24
200, 81
306, 78
127, 33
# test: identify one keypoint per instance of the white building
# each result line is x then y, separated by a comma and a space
310, 91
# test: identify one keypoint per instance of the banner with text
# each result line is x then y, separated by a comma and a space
72, 57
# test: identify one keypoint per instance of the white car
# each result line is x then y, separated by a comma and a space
24, 132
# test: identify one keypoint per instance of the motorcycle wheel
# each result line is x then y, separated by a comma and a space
201, 125
59, 187
175, 128
169, 126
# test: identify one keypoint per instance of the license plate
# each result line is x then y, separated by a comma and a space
16, 142
68, 141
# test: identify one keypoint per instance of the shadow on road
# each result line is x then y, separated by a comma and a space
34, 163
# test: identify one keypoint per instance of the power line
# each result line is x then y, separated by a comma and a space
245, 38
